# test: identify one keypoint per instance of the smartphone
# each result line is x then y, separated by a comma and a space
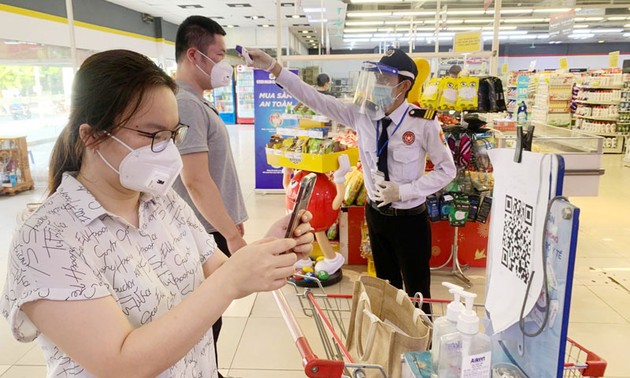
301, 202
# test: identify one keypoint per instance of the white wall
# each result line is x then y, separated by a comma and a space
45, 31
32, 29
553, 61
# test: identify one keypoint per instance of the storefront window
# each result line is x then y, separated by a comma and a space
35, 86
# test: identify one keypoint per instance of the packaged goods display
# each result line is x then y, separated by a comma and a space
552, 99
599, 107
15, 173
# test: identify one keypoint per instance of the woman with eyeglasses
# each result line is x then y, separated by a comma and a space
113, 274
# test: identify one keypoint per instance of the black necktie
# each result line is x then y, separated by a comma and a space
382, 147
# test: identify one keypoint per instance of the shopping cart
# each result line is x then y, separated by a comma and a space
331, 313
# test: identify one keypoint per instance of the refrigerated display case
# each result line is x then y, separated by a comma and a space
244, 94
582, 155
223, 100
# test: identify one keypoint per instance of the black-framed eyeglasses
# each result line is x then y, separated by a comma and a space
159, 139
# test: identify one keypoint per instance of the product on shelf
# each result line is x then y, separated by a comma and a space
300, 108
449, 93
15, 173
599, 107
354, 188
310, 149
552, 98
446, 119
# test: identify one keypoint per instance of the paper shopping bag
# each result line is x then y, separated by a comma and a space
384, 324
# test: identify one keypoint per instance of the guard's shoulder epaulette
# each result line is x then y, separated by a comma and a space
423, 113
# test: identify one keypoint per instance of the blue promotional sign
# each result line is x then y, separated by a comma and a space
270, 102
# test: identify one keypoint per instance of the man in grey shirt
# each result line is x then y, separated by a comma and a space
208, 181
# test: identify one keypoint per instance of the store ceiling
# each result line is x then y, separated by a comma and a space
366, 24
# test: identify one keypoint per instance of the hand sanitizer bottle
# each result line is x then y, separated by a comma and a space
465, 353
445, 324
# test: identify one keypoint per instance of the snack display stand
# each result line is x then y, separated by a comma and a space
307, 145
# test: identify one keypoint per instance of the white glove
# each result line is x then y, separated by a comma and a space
344, 167
261, 59
386, 193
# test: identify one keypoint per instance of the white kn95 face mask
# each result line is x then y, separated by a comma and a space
146, 171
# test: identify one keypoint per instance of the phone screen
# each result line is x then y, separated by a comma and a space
301, 202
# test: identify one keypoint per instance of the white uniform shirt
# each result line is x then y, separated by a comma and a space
71, 248
410, 139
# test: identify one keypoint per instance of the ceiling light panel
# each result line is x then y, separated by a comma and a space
313, 10
364, 23
375, 1
524, 20
465, 12
367, 14
554, 10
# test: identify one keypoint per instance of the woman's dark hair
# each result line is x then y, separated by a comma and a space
197, 32
107, 90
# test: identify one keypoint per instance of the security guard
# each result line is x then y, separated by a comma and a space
394, 140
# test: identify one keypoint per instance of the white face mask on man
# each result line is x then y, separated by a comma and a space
221, 74
146, 171
382, 95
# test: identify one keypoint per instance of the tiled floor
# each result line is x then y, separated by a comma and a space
255, 342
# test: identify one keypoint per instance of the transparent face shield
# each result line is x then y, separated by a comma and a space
375, 88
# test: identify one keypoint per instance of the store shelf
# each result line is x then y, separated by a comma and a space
618, 150
602, 134
597, 118
611, 87
597, 102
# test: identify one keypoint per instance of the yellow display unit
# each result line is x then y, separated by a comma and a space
320, 163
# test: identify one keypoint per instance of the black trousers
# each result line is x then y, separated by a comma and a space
216, 327
401, 247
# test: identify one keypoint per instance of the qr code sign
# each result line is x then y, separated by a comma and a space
517, 237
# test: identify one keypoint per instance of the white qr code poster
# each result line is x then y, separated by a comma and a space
520, 198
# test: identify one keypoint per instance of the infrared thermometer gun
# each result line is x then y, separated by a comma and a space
242, 51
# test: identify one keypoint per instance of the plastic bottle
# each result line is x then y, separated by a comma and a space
465, 353
13, 178
445, 324
521, 114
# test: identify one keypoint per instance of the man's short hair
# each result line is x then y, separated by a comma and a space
197, 32
322, 79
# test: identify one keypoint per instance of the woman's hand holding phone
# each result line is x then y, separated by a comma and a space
302, 233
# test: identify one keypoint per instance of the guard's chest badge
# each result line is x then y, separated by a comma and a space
408, 138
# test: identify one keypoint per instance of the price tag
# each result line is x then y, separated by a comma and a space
613, 59
564, 64
532, 65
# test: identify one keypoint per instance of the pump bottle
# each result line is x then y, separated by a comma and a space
445, 324
467, 352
